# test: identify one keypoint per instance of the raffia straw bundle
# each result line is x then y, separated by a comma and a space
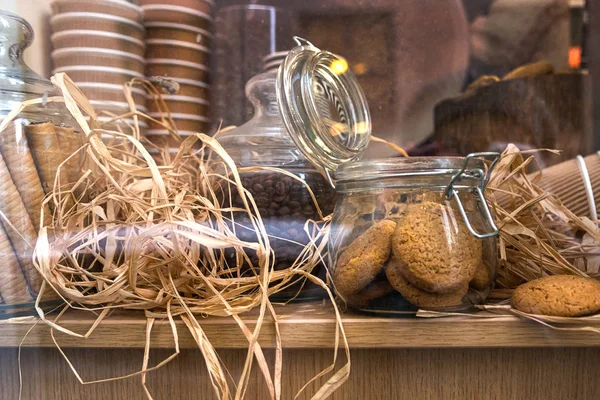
153, 238
538, 234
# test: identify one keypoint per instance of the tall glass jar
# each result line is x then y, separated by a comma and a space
406, 233
32, 146
284, 203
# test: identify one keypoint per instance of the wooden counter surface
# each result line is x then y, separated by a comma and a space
457, 358
302, 326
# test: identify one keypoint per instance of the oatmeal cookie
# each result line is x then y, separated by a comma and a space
372, 291
439, 253
558, 295
418, 297
360, 263
482, 278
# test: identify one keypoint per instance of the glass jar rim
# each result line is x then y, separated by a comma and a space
326, 143
365, 170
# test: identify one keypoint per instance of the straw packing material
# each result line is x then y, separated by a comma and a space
98, 56
538, 234
177, 14
145, 217
19, 161
119, 124
181, 105
575, 182
98, 39
164, 156
97, 22
119, 8
180, 32
161, 141
162, 138
183, 122
204, 6
13, 286
178, 50
18, 227
90, 73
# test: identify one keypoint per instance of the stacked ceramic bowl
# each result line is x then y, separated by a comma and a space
178, 44
100, 45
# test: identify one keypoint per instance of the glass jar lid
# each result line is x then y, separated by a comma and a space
16, 35
18, 83
323, 106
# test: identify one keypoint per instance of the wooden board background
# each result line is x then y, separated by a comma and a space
411, 374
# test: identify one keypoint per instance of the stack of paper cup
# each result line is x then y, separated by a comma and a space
178, 47
100, 45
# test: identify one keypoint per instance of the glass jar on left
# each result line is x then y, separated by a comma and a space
284, 203
35, 146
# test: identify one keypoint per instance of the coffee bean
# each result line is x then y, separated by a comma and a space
285, 205
284, 211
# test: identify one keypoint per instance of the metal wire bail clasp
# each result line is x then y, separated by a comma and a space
451, 192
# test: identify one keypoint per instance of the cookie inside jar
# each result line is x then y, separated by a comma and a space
396, 251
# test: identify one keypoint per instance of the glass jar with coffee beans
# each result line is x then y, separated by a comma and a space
284, 203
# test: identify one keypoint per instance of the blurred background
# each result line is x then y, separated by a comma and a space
409, 55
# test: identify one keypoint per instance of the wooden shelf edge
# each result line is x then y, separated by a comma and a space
301, 326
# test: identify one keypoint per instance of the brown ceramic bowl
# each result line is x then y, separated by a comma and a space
180, 32
97, 22
205, 6
98, 39
178, 50
162, 139
192, 88
119, 8
182, 105
101, 105
177, 14
176, 69
90, 73
183, 122
97, 56
124, 124
111, 92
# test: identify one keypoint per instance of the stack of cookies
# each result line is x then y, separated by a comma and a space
178, 48
100, 45
428, 256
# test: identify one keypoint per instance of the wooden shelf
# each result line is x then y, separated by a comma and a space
308, 325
